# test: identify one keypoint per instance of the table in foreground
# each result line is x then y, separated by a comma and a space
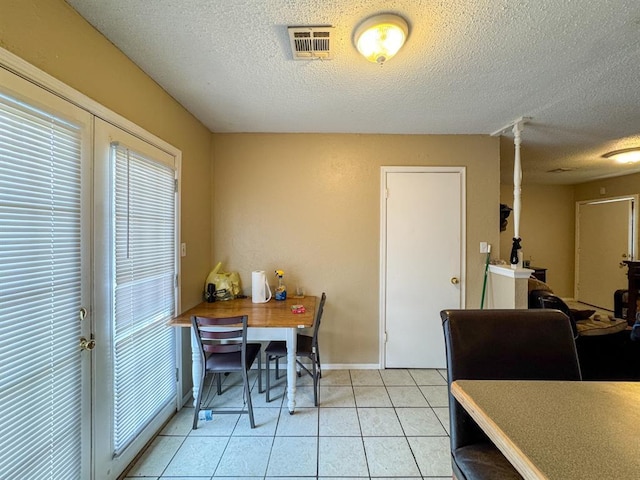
272, 320
559, 430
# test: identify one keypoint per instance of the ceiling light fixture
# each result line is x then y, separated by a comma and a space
626, 155
379, 38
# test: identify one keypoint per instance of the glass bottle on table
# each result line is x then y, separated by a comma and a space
281, 289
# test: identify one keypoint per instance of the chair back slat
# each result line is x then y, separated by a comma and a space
220, 335
219, 321
213, 341
222, 347
316, 325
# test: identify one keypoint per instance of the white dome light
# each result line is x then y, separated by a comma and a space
380, 37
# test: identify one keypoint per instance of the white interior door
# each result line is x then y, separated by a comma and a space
604, 238
422, 270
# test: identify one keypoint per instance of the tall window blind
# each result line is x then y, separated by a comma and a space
40, 285
144, 295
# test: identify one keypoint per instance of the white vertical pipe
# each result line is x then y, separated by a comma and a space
517, 186
517, 180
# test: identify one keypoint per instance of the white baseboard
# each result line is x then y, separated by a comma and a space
351, 366
337, 366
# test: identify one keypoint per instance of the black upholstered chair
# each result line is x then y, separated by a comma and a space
307, 348
500, 345
225, 350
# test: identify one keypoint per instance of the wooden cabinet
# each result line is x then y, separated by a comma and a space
540, 273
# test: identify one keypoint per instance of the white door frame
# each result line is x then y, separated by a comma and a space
383, 241
633, 231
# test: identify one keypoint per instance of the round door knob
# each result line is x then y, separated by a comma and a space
87, 344
455, 280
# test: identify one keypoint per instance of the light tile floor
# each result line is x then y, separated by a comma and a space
370, 424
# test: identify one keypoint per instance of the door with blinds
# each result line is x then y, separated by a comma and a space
45, 239
135, 284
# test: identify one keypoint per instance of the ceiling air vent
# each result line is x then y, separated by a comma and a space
308, 43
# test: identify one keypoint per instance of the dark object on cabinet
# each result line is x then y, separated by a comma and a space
505, 211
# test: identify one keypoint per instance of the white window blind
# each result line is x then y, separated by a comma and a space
40, 285
144, 294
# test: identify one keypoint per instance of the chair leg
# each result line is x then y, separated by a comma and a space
267, 358
319, 364
315, 383
248, 393
219, 383
260, 389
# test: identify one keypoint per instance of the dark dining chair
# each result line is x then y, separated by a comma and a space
500, 345
307, 348
225, 350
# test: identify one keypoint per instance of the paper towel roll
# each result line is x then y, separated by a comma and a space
260, 291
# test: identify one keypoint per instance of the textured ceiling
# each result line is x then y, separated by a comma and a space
468, 67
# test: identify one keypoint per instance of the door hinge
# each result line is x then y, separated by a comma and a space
386, 193
175, 185
385, 337
177, 375
176, 282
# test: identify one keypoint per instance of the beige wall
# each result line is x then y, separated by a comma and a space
547, 229
310, 205
548, 224
52, 36
614, 187
306, 203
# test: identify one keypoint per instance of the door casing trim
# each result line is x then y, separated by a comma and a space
384, 170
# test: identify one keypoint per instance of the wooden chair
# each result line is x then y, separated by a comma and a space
307, 348
226, 350
500, 345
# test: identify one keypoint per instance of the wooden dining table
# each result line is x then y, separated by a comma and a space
557, 429
273, 320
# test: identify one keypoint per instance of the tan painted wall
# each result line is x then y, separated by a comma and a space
310, 205
614, 187
327, 186
52, 36
547, 229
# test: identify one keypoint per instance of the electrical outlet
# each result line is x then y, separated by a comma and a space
484, 247
183, 249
